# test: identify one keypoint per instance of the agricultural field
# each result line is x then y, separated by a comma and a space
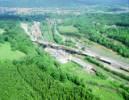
68, 30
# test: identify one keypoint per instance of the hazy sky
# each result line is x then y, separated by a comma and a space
44, 3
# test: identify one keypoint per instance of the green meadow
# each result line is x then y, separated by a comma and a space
6, 52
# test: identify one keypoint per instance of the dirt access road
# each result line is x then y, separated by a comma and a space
60, 52
38, 39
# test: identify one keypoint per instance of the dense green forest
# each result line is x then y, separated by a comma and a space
109, 30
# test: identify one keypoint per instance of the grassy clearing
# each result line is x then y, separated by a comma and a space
7, 53
1, 31
106, 94
68, 30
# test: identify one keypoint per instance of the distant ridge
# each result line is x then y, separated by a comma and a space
58, 3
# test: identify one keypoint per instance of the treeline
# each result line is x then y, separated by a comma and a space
14, 34
122, 24
92, 26
120, 33
32, 17
109, 43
